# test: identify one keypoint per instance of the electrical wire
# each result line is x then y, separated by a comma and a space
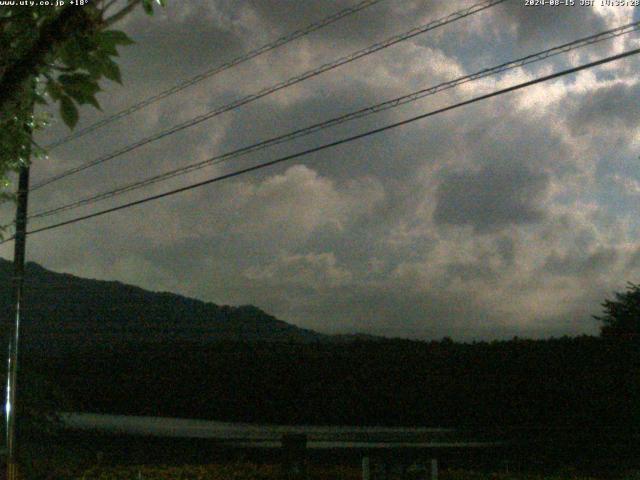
219, 69
460, 14
361, 113
336, 143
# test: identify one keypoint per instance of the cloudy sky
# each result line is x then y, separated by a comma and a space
514, 216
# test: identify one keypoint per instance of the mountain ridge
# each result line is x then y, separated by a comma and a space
68, 309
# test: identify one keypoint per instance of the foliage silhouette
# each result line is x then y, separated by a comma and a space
621, 316
54, 55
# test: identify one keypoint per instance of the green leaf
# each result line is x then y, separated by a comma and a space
54, 90
68, 111
94, 66
39, 99
93, 101
73, 54
80, 86
75, 80
108, 49
111, 70
114, 37
148, 6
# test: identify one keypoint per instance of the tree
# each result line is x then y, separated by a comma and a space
621, 316
54, 55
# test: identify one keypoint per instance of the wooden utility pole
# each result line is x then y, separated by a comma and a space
14, 331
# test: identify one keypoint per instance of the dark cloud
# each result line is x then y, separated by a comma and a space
576, 263
506, 249
371, 24
213, 36
608, 110
470, 271
545, 25
633, 262
490, 199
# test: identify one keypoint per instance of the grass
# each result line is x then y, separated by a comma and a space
238, 471
252, 471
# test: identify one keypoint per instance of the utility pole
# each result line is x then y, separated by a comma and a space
14, 331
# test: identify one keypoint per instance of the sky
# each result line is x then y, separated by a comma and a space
515, 216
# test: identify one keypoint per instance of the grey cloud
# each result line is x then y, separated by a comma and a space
370, 24
490, 199
503, 135
579, 264
542, 25
608, 110
470, 271
388, 311
506, 249
633, 261
213, 36
403, 312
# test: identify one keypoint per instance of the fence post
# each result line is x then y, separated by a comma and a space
434, 469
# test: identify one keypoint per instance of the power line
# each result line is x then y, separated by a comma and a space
402, 100
277, 87
338, 142
214, 71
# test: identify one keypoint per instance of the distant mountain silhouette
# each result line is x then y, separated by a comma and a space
63, 311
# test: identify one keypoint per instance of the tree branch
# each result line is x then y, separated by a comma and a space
69, 22
121, 14
109, 5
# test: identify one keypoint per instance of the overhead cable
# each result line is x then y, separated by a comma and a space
361, 113
275, 88
336, 143
216, 70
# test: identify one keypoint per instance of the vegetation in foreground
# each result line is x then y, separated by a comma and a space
249, 471
235, 471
